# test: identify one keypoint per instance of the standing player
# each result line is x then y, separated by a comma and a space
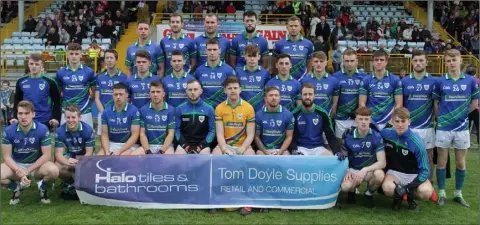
274, 125
139, 83
381, 92
143, 43
456, 95
407, 162
210, 26
213, 73
105, 82
248, 37
289, 87
157, 124
178, 41
418, 90
235, 125
120, 125
195, 123
349, 83
326, 86
311, 122
41, 91
26, 153
74, 139
366, 157
299, 49
252, 78
175, 83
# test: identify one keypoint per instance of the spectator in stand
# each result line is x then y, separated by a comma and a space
321, 45
381, 33
40, 29
231, 8
49, 24
345, 8
64, 37
99, 9
288, 9
187, 7
407, 34
402, 24
94, 50
383, 47
466, 36
359, 33
396, 49
475, 45
370, 49
313, 25
424, 34
372, 24
352, 25
403, 73
344, 19
71, 29
361, 49
97, 31
91, 18
198, 10
405, 50
119, 19
78, 36
52, 37
336, 58
107, 30
371, 35
323, 29
30, 24
415, 34
451, 25
338, 33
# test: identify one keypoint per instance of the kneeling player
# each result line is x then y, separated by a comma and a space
407, 163
26, 151
157, 123
366, 156
120, 125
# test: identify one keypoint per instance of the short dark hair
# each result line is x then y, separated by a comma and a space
380, 53
283, 55
120, 86
26, 104
177, 52
307, 85
213, 41
363, 111
252, 50
74, 47
73, 108
250, 13
6, 82
294, 18
143, 54
212, 15
143, 21
195, 81
115, 53
320, 55
231, 79
419, 53
156, 84
176, 15
36, 57
271, 88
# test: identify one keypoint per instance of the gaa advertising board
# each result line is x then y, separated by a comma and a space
209, 181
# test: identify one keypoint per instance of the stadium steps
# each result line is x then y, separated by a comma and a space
127, 39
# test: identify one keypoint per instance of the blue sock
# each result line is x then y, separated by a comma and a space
12, 186
459, 179
441, 174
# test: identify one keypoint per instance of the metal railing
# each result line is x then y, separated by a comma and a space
264, 19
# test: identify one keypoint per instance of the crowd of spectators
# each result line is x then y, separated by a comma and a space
229, 7
9, 10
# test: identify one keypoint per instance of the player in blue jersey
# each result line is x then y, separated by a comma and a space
212, 74
41, 91
274, 125
381, 91
349, 83
299, 48
326, 86
455, 95
74, 139
26, 153
418, 90
157, 124
175, 83
105, 82
407, 163
289, 87
77, 82
247, 37
311, 122
139, 83
366, 157
195, 123
253, 78
144, 43
120, 125
211, 26
178, 41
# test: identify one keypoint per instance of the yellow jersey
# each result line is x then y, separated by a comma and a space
235, 121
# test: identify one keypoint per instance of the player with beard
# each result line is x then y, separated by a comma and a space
211, 26
247, 37
175, 83
289, 87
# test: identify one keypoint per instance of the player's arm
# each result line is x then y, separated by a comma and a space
192, 52
220, 133
135, 129
381, 160
161, 69
436, 109
333, 111
129, 64
329, 133
211, 129
104, 139
423, 166
144, 139
363, 93
250, 135
473, 105
7, 153
168, 140
287, 141
309, 66
98, 103
259, 143
178, 123
398, 92
160, 62
56, 99
474, 97
92, 81
264, 52
46, 148
309, 59
59, 150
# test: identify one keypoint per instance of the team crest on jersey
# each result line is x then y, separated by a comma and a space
80, 78
463, 87
279, 123
164, 117
404, 152
124, 120
357, 82
201, 119
219, 75
41, 86
80, 140
258, 78
386, 85
368, 144
289, 88
181, 45
300, 47
32, 140
325, 86
184, 85
240, 116
426, 87
315, 121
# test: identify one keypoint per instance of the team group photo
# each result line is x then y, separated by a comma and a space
201, 110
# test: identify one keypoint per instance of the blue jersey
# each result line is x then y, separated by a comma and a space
289, 90
212, 81
139, 89
253, 85
120, 123
362, 151
241, 41
272, 126
75, 86
185, 44
310, 126
300, 51
75, 142
381, 95
26, 147
175, 88
455, 97
105, 84
156, 56
157, 123
5, 95
406, 153
347, 93
325, 88
200, 43
418, 99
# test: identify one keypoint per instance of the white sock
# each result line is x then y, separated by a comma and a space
458, 193
368, 193
441, 192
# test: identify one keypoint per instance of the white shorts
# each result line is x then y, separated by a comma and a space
354, 171
403, 178
312, 151
342, 125
86, 118
99, 124
115, 146
456, 139
427, 135
156, 148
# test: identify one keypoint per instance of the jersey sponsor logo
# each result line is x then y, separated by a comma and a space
26, 86
112, 120
164, 117
404, 152
356, 146
171, 85
446, 87
325, 86
16, 141
201, 119
240, 116
463, 87
41, 86
426, 87
279, 122
149, 117
368, 144
315, 121
410, 87
32, 140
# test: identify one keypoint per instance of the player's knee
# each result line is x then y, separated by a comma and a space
286, 153
327, 153
205, 151
388, 188
101, 152
249, 151
346, 186
51, 170
424, 191
260, 152
460, 163
378, 176
217, 151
